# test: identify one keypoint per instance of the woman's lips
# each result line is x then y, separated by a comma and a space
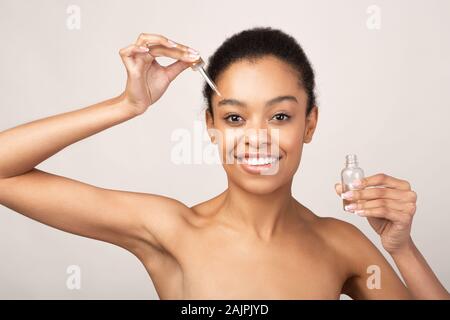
252, 166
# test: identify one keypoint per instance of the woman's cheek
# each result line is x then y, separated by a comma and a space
230, 139
291, 142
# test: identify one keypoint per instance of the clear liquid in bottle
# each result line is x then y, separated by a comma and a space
350, 173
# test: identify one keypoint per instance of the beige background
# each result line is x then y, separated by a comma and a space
383, 95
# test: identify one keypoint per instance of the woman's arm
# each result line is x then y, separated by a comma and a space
66, 204
25, 146
369, 274
389, 205
418, 275
128, 219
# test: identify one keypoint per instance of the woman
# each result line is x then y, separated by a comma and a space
252, 241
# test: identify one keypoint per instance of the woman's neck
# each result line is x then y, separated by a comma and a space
260, 214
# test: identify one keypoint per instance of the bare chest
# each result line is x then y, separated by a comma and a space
232, 268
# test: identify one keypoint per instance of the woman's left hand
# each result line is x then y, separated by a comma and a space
389, 205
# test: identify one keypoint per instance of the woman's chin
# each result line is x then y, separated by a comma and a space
259, 186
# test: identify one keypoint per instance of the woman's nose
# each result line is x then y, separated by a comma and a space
256, 137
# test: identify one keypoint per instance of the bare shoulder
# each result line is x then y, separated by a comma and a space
363, 260
340, 231
349, 241
344, 239
334, 231
166, 219
171, 222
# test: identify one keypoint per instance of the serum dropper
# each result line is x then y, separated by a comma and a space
198, 65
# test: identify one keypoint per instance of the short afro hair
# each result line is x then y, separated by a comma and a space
255, 43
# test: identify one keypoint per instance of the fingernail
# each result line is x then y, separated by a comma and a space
144, 48
193, 56
171, 43
350, 206
193, 51
347, 195
357, 183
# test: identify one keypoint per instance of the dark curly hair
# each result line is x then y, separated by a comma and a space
256, 43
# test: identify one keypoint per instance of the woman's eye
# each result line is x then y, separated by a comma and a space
281, 117
233, 118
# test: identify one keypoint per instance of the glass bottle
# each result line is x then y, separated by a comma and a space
350, 173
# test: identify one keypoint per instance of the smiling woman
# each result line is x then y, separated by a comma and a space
252, 241
264, 105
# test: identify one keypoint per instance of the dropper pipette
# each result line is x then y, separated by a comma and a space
198, 66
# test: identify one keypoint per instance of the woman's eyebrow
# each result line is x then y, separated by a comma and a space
235, 102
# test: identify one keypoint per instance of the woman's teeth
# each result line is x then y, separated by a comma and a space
258, 161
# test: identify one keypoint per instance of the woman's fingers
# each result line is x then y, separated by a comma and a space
379, 180
155, 39
384, 180
338, 188
131, 50
161, 51
129, 53
380, 193
386, 213
379, 186
386, 209
408, 207
147, 79
174, 69
162, 46
149, 39
381, 196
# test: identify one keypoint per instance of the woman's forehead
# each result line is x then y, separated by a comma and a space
261, 79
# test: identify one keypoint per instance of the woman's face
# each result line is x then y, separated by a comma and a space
259, 123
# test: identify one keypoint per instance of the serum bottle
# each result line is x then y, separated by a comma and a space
350, 173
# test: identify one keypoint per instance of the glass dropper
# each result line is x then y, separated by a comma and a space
198, 66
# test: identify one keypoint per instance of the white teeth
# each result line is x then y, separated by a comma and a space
258, 161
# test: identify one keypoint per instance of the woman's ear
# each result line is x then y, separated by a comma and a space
210, 125
311, 123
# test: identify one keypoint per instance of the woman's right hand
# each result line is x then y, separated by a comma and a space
147, 79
